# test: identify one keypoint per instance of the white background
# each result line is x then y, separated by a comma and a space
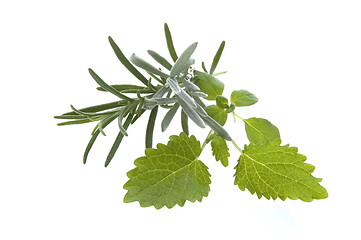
300, 58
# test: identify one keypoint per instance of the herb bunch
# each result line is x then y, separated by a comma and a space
172, 174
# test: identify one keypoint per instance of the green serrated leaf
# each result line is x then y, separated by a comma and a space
220, 150
271, 170
217, 113
260, 130
169, 175
209, 85
243, 98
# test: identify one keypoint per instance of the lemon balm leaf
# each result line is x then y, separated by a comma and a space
243, 98
220, 150
169, 175
217, 114
274, 171
209, 84
260, 130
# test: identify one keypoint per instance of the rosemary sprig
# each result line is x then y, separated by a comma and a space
176, 89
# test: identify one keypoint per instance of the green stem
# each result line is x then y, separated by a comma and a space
219, 73
235, 115
235, 144
206, 140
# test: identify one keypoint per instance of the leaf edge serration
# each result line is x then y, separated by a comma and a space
195, 164
301, 158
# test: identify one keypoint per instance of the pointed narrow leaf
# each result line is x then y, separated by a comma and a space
184, 122
124, 87
173, 84
215, 126
118, 140
161, 60
188, 64
199, 102
276, 171
101, 107
260, 130
190, 86
70, 117
191, 113
182, 60
88, 114
161, 92
146, 66
243, 98
122, 114
95, 135
201, 111
79, 121
138, 115
198, 94
204, 67
186, 98
126, 62
169, 175
217, 57
165, 100
169, 40
106, 86
150, 128
169, 116
159, 79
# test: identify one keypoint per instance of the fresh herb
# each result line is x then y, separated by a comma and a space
172, 174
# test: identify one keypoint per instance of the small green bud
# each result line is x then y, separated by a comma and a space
230, 108
222, 102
